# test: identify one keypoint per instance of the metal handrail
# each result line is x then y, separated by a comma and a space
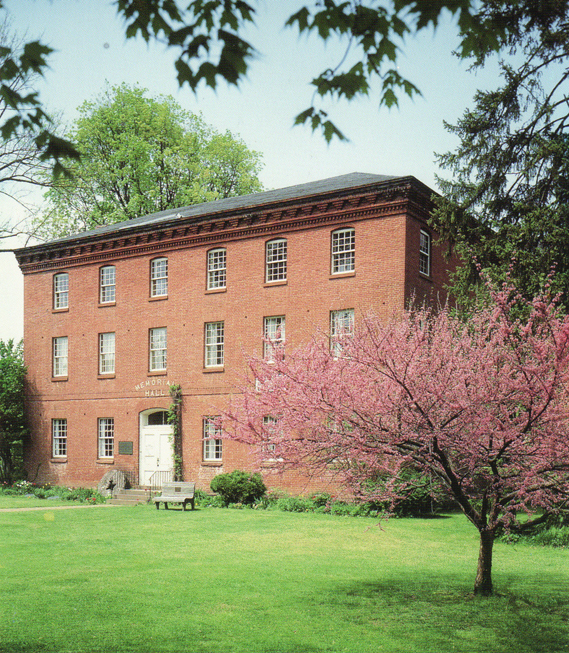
157, 480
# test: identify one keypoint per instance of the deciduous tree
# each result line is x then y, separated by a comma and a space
13, 427
479, 406
141, 155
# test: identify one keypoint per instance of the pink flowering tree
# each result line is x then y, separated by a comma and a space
479, 406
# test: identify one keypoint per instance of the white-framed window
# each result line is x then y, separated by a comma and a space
274, 336
106, 353
276, 260
214, 344
425, 252
107, 284
343, 250
159, 277
59, 438
341, 327
216, 269
158, 349
61, 290
212, 443
60, 356
106, 437
270, 427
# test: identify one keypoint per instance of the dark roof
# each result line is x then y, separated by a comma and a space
240, 203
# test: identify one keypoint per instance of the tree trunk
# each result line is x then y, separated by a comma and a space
483, 583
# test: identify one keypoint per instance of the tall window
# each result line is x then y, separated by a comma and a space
214, 344
159, 277
61, 290
212, 443
106, 437
341, 327
343, 251
216, 269
107, 284
274, 336
106, 353
425, 253
59, 438
158, 349
60, 353
276, 260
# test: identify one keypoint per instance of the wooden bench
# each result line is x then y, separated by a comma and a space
176, 493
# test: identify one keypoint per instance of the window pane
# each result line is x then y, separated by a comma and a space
214, 344
274, 335
216, 269
108, 281
276, 255
158, 418
425, 253
341, 326
106, 353
159, 277
59, 437
158, 349
61, 290
343, 251
106, 437
60, 356
212, 448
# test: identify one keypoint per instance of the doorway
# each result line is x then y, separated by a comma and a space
155, 446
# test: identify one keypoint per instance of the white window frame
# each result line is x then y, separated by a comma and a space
214, 338
212, 445
106, 437
107, 284
425, 252
107, 353
60, 291
217, 268
158, 349
343, 248
60, 348
341, 327
159, 277
59, 437
276, 260
273, 335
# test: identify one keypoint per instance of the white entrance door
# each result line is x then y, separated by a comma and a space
156, 453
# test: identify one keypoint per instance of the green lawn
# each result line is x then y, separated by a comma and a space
119, 580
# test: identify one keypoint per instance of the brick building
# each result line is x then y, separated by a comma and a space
116, 315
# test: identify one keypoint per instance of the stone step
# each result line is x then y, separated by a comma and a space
130, 497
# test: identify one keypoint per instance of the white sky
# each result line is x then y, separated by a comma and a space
91, 49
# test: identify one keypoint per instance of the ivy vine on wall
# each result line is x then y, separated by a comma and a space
175, 419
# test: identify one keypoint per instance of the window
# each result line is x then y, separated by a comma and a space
216, 269
270, 429
59, 438
106, 353
61, 291
212, 443
276, 258
60, 349
158, 349
159, 418
343, 251
107, 284
106, 437
425, 253
274, 336
341, 326
214, 341
159, 277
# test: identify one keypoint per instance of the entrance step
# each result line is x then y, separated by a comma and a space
130, 497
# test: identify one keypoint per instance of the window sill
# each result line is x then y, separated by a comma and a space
214, 370
157, 372
343, 275
60, 310
158, 298
105, 304
215, 291
56, 379
427, 277
110, 375
212, 463
270, 284
105, 461
58, 460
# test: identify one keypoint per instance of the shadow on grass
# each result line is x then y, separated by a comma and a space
524, 623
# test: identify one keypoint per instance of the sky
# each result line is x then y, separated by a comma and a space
91, 50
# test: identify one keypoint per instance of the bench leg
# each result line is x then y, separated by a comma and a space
166, 505
157, 505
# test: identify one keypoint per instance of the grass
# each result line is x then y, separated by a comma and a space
133, 580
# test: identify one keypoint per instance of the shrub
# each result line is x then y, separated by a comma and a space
239, 487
